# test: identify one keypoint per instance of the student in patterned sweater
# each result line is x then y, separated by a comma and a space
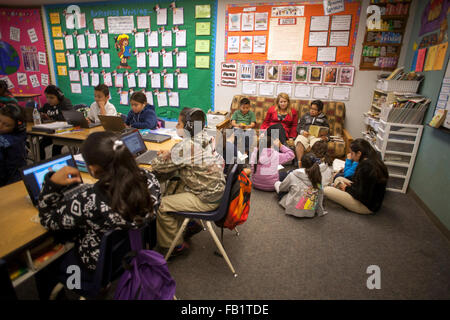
201, 180
121, 198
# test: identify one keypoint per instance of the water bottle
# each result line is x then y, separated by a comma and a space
36, 115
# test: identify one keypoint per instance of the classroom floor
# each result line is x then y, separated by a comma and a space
282, 257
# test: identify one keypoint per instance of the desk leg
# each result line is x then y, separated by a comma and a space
34, 145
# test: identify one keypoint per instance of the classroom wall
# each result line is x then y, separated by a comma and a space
431, 174
364, 83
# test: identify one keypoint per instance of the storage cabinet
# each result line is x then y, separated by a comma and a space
398, 144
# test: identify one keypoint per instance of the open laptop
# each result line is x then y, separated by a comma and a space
77, 118
155, 137
33, 176
114, 123
136, 145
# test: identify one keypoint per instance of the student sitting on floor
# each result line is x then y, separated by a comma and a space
320, 151
304, 140
266, 159
12, 143
301, 193
101, 105
365, 194
6, 97
243, 122
352, 161
121, 198
142, 115
200, 183
52, 110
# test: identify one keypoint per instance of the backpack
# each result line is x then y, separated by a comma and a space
146, 277
239, 202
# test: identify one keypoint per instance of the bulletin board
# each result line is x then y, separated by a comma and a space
127, 20
23, 57
311, 10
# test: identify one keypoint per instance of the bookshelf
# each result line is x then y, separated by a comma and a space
381, 47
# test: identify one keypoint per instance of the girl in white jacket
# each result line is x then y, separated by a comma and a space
304, 196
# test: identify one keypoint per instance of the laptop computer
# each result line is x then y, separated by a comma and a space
136, 145
155, 137
77, 118
33, 176
114, 123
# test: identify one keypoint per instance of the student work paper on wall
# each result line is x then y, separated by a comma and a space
341, 94
174, 99
288, 37
85, 79
69, 41
124, 98
155, 80
119, 80
284, 88
92, 40
139, 39
106, 60
22, 79
178, 16
107, 79
104, 41
142, 80
249, 88
168, 81
266, 89
153, 39
44, 79
180, 38
141, 60
149, 96
302, 91
75, 87
153, 59
181, 59
120, 24
162, 99
131, 79
182, 80
143, 22
161, 17
95, 79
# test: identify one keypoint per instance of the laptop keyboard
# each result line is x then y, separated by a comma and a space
72, 192
147, 157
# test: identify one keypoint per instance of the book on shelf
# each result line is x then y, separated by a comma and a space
318, 131
439, 118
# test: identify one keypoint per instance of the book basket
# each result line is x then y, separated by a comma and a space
398, 85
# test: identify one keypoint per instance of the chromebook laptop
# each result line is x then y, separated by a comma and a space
136, 145
33, 176
77, 118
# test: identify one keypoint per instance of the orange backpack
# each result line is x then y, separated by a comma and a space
239, 203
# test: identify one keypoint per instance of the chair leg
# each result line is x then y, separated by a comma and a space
237, 232
203, 225
179, 233
220, 247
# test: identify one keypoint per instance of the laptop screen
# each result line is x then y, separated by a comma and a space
33, 176
134, 142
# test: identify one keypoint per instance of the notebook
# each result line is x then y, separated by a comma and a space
136, 145
33, 176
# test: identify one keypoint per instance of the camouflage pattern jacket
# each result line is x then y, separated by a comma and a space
199, 167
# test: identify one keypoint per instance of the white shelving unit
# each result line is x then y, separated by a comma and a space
398, 144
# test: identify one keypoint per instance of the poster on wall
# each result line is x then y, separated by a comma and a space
22, 56
434, 16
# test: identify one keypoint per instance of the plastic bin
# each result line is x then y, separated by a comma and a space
398, 85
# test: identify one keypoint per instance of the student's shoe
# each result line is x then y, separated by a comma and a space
192, 228
179, 250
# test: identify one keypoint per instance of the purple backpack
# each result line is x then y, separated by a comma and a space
146, 277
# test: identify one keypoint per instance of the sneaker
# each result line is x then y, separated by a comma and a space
179, 250
192, 228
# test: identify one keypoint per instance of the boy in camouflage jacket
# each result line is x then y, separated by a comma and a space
200, 171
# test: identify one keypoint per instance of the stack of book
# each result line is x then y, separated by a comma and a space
408, 110
52, 127
399, 74
81, 164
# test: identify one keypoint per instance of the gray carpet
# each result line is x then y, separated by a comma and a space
282, 257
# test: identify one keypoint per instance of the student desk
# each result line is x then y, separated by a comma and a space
20, 229
76, 138
28, 96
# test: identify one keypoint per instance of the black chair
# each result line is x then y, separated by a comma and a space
216, 215
114, 247
7, 291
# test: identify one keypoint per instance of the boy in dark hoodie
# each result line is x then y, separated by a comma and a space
56, 103
52, 110
304, 140
12, 143
142, 115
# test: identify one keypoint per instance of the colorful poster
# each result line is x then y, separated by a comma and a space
26, 55
246, 71
434, 15
233, 44
286, 73
259, 72
246, 44
421, 59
